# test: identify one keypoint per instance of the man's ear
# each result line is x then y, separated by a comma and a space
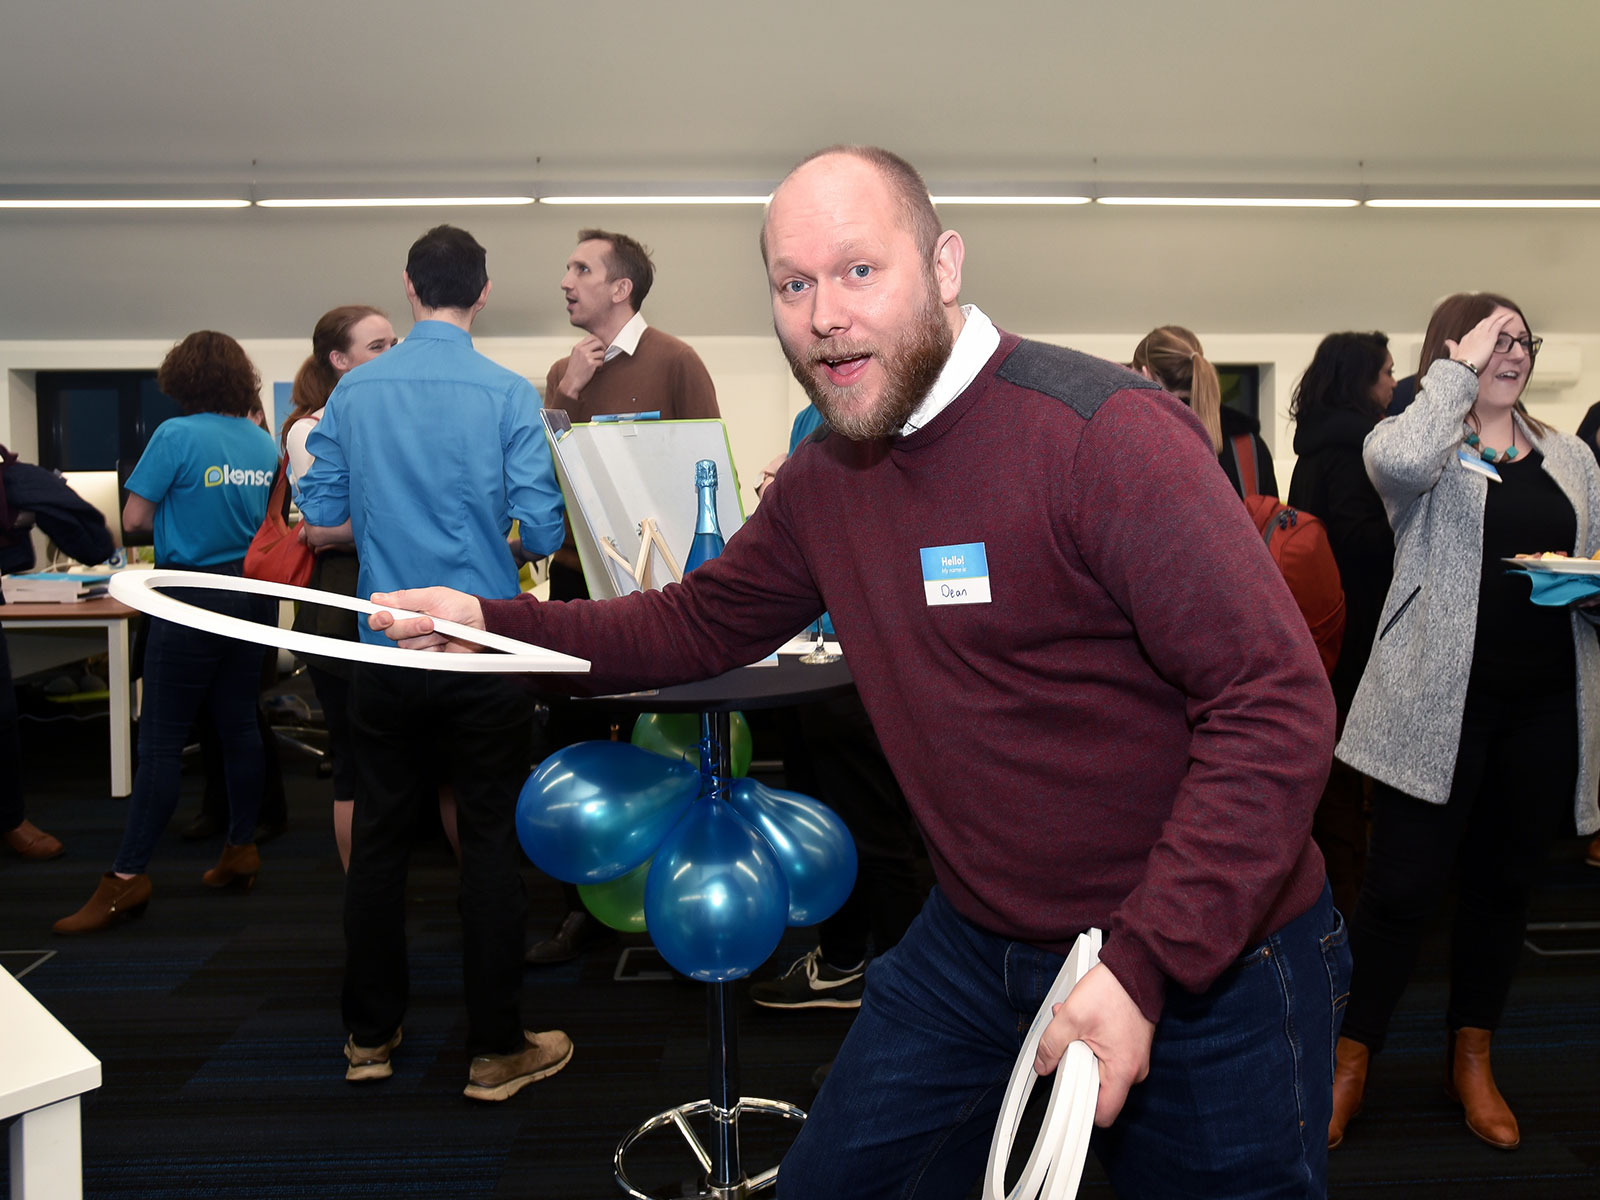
621, 289
948, 255
483, 296
411, 292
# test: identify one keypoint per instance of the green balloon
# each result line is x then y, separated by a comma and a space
620, 903
677, 735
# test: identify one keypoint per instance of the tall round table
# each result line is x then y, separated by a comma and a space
789, 682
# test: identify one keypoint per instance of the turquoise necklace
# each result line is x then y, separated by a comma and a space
1489, 453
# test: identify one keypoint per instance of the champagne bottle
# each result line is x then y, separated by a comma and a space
707, 534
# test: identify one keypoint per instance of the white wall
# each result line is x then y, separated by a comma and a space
754, 387
759, 397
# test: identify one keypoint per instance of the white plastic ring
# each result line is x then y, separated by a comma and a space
137, 589
1055, 1165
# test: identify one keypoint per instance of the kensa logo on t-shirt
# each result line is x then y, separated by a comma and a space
239, 476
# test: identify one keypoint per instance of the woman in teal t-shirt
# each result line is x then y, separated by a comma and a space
202, 485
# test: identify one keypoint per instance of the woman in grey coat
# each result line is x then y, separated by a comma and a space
1478, 715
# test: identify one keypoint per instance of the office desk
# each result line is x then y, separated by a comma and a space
42, 1073
41, 636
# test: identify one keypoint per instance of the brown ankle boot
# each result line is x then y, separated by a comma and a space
1350, 1061
114, 898
1467, 1078
238, 865
29, 841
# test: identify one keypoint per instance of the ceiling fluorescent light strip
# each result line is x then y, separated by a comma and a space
1483, 202
392, 201
1231, 201
655, 199
44, 203
1011, 200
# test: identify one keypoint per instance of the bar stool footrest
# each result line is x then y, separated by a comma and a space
679, 1118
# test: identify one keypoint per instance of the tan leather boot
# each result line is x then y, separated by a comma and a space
113, 899
238, 865
1350, 1061
29, 841
1469, 1080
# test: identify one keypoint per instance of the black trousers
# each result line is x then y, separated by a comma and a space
1512, 793
12, 811
842, 764
411, 729
333, 694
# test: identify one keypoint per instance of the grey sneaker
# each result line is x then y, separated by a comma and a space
501, 1076
812, 983
369, 1062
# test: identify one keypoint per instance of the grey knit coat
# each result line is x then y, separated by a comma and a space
1404, 726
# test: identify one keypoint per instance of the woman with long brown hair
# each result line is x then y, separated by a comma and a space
1478, 716
344, 338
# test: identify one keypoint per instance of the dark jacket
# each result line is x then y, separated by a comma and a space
1589, 430
1235, 424
1331, 482
70, 521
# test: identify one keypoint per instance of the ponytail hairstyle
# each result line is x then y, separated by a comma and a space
1173, 358
315, 380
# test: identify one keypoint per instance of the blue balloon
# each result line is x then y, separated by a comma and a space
594, 811
715, 899
815, 850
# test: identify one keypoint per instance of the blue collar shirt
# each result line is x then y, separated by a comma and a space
430, 451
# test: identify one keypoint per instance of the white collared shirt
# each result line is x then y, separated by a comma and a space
975, 345
627, 339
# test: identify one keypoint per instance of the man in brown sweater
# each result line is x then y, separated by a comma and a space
621, 366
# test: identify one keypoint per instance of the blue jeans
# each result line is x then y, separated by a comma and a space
183, 669
1236, 1104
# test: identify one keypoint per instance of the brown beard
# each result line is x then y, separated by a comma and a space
911, 367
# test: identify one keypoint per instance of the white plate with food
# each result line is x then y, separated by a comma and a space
1556, 564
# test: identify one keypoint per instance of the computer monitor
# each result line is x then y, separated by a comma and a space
99, 488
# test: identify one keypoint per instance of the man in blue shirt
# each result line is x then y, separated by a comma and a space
430, 451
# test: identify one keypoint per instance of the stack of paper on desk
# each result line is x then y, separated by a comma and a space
52, 587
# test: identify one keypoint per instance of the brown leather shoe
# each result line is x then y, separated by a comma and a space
30, 841
113, 899
1468, 1079
1592, 855
238, 865
1350, 1061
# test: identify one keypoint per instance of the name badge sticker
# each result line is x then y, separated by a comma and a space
956, 574
1473, 463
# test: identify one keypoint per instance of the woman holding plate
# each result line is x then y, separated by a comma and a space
1478, 715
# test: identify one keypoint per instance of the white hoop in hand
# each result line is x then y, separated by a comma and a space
137, 589
1055, 1166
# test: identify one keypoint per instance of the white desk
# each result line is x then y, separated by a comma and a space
43, 1071
40, 636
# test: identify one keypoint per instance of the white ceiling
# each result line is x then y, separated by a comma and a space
230, 92
104, 89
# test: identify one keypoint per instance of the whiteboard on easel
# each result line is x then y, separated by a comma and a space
616, 475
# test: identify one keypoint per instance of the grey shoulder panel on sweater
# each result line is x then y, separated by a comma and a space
1078, 380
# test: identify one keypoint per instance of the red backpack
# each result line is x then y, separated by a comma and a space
1298, 543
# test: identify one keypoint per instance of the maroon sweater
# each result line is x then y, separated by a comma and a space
1132, 734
